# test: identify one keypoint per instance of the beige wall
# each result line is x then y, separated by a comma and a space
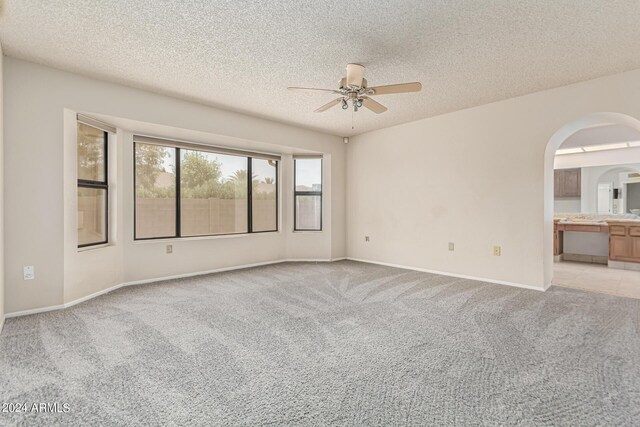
2, 291
412, 187
474, 177
40, 161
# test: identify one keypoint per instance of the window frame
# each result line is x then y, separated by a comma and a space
195, 147
250, 201
135, 204
99, 185
297, 193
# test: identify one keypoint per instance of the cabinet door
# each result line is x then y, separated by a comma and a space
557, 179
618, 248
571, 183
634, 242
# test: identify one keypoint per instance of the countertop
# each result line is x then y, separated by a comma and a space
594, 219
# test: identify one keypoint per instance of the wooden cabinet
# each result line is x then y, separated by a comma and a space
635, 248
624, 242
560, 228
618, 230
567, 182
557, 240
618, 248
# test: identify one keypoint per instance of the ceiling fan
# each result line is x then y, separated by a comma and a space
354, 88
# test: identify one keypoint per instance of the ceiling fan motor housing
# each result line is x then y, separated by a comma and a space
343, 84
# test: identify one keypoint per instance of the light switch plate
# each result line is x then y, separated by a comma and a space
451, 246
28, 272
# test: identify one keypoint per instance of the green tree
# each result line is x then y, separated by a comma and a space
196, 170
238, 183
149, 164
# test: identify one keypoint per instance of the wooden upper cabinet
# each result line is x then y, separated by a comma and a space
567, 182
556, 182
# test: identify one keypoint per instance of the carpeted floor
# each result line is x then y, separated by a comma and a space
328, 344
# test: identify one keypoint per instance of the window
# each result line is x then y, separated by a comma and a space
308, 194
264, 195
155, 186
93, 189
213, 193
184, 190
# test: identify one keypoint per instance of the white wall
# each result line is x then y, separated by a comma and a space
576, 242
40, 202
474, 177
566, 204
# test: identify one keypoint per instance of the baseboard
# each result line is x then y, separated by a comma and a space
34, 311
2, 323
244, 266
156, 279
621, 265
461, 276
591, 259
201, 273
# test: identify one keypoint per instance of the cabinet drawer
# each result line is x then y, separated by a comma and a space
634, 230
617, 230
573, 227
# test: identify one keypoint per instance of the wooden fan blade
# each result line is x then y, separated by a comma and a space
312, 89
399, 88
328, 105
355, 74
374, 106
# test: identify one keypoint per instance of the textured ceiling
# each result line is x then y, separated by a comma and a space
601, 135
241, 55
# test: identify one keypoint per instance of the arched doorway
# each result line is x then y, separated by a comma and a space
556, 140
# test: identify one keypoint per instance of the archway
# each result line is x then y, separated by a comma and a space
556, 140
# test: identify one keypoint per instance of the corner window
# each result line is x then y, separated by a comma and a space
308, 194
185, 191
93, 189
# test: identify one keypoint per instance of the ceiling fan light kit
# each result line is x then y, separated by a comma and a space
353, 88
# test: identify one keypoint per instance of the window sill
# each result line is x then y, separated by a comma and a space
308, 231
196, 238
94, 247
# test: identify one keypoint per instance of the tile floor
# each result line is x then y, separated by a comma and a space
597, 278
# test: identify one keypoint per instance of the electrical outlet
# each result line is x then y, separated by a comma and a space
451, 246
169, 249
28, 272
497, 251
366, 239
